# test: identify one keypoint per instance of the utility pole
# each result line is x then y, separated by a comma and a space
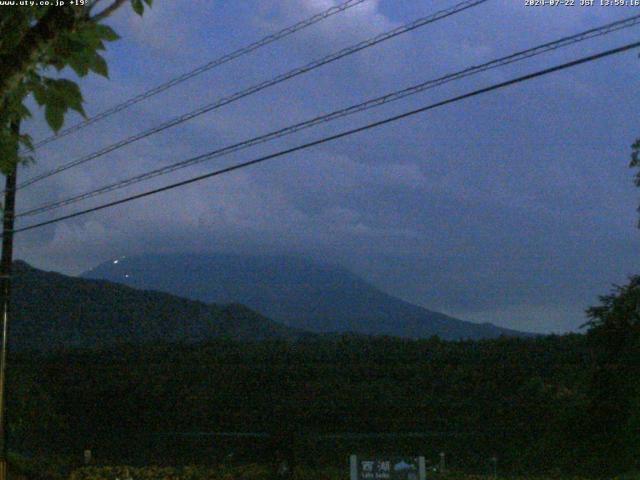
6, 264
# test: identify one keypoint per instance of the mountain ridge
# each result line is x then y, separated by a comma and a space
55, 311
307, 295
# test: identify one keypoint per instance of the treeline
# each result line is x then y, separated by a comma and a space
527, 402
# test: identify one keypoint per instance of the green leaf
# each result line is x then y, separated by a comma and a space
107, 33
137, 6
80, 63
39, 93
69, 46
54, 116
64, 94
99, 66
78, 67
71, 95
23, 112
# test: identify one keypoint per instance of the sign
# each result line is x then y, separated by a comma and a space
387, 468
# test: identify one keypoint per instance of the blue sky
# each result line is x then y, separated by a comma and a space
516, 207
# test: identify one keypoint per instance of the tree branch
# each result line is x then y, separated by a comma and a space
108, 10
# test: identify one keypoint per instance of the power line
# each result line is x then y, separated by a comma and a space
337, 136
375, 102
203, 68
262, 86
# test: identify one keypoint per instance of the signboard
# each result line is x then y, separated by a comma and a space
387, 468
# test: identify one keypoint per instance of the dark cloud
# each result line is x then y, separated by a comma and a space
516, 207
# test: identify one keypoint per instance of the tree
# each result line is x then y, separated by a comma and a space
35, 40
614, 337
635, 163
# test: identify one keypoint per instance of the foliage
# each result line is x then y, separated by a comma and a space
55, 311
34, 40
513, 398
222, 472
40, 467
260, 472
635, 163
614, 325
538, 404
614, 337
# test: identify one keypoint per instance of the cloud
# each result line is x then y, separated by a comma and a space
516, 207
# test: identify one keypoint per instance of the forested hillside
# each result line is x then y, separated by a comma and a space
160, 379
522, 400
57, 311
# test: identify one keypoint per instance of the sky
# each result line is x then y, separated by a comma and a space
516, 207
